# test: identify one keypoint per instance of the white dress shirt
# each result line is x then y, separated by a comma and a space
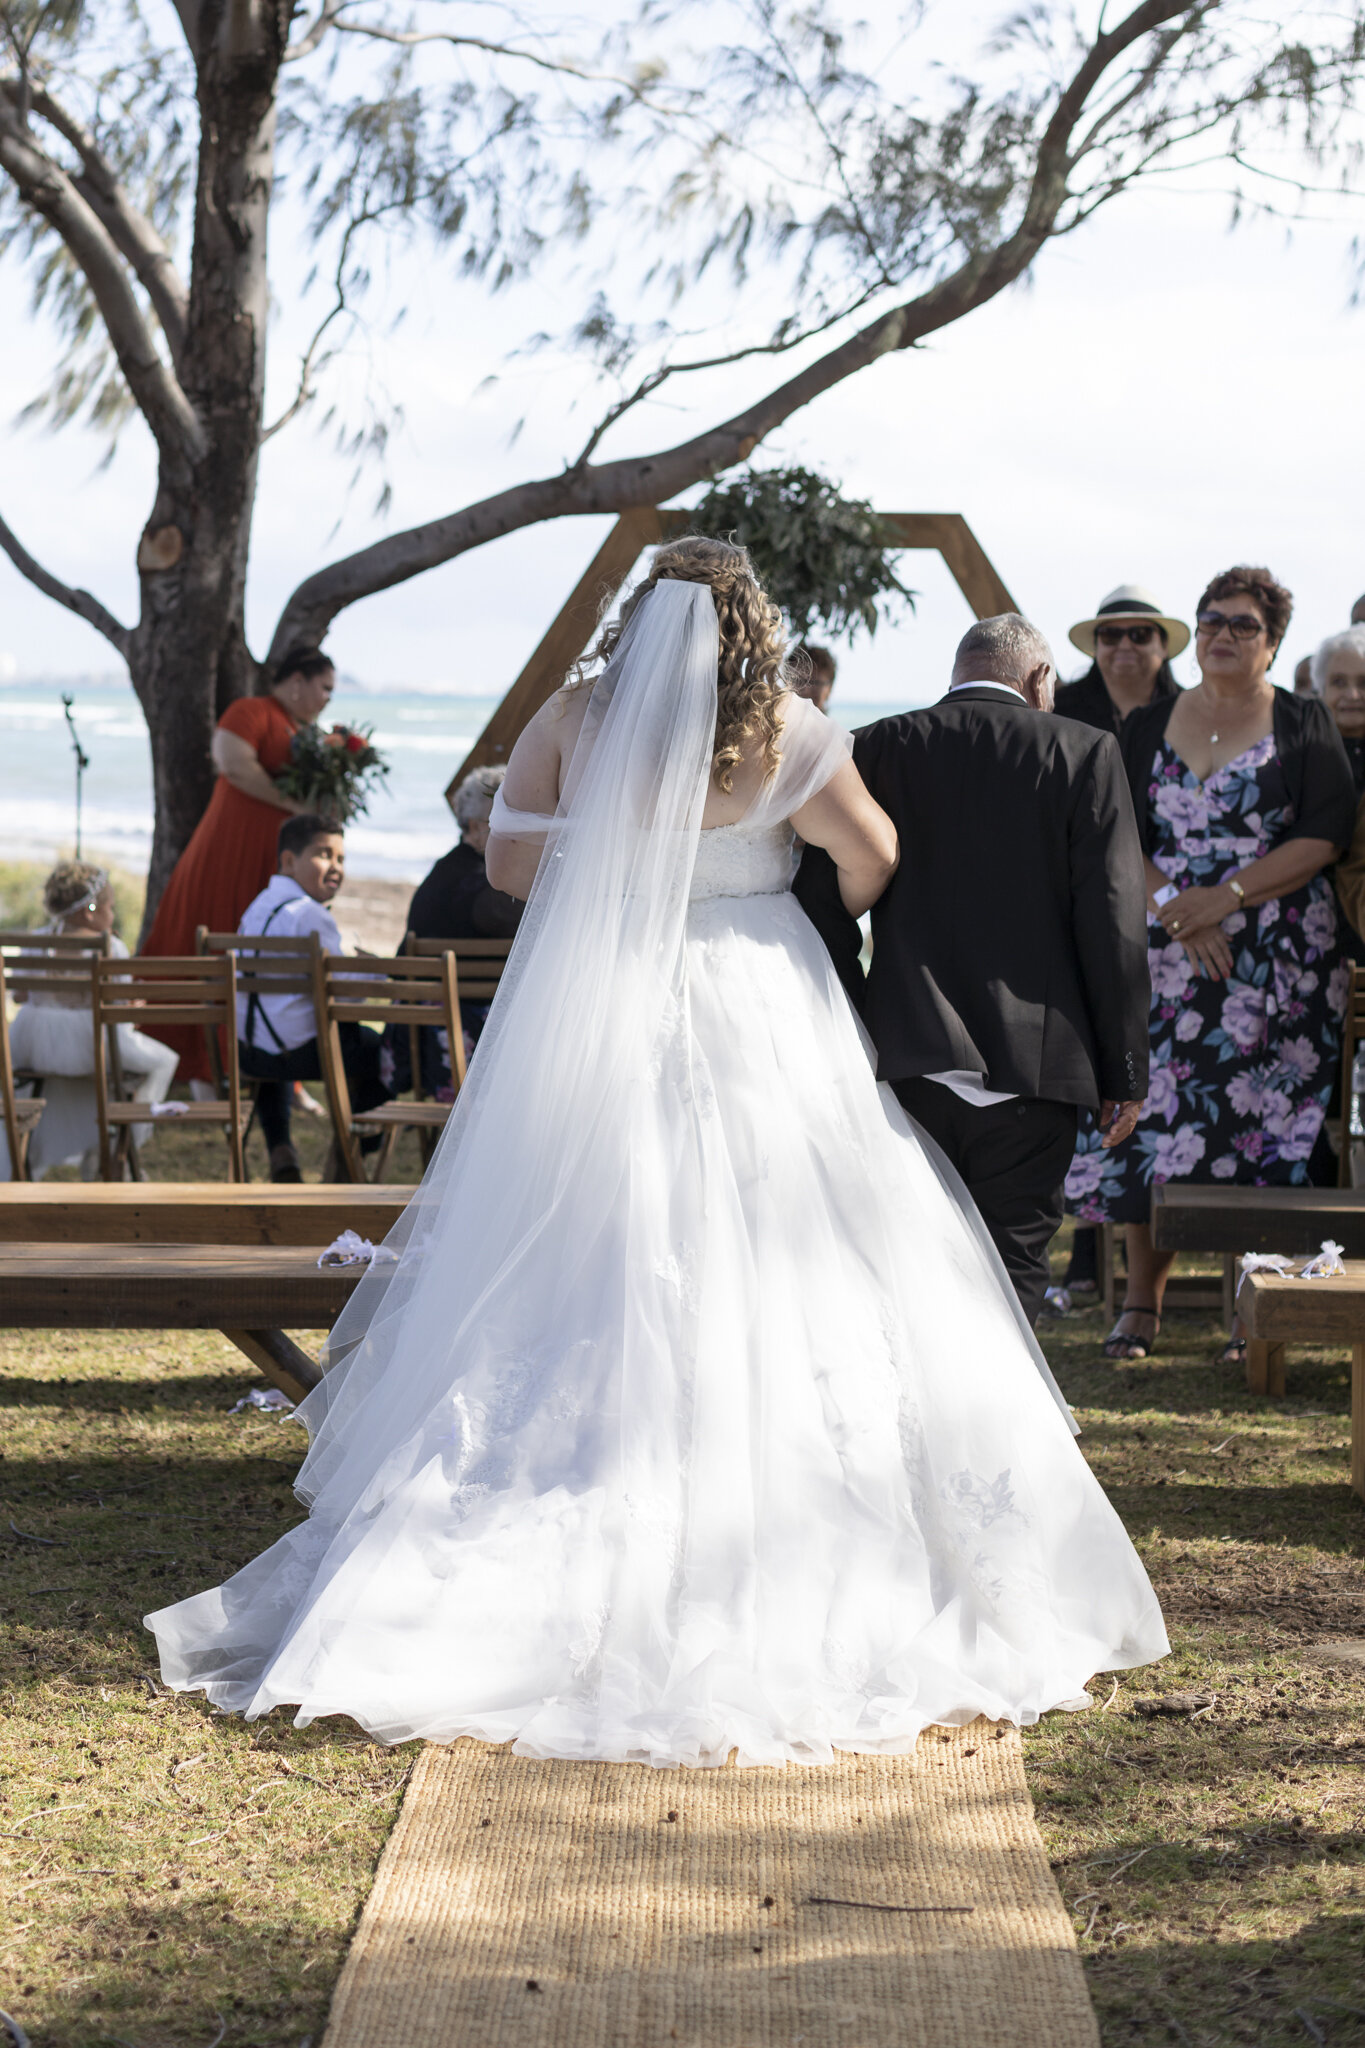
286, 911
972, 1087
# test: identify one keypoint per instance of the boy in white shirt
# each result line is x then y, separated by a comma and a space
277, 1040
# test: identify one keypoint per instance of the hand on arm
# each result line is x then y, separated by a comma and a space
857, 835
237, 761
1195, 916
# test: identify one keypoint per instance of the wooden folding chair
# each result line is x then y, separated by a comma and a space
267, 965
365, 990
21, 1112
39, 963
171, 991
479, 965
57, 943
1352, 1032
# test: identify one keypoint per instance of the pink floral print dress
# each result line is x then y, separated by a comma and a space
1244, 1071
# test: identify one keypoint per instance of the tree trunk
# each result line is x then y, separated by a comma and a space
189, 657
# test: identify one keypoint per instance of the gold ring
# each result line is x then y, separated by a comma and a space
1175, 924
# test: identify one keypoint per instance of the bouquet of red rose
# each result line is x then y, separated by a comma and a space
333, 773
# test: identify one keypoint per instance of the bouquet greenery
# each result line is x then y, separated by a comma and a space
333, 773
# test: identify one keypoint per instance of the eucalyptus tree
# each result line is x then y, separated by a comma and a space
142, 150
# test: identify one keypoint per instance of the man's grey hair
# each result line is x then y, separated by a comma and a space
1320, 667
1006, 648
474, 797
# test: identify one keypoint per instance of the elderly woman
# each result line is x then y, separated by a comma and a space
1243, 796
1130, 642
232, 854
51, 1035
456, 901
1338, 676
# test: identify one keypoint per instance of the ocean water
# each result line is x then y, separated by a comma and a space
423, 735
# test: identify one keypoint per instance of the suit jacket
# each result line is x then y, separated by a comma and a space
1012, 941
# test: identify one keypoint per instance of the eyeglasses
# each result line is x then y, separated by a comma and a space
1114, 636
1241, 625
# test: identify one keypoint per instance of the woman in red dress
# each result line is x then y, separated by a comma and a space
232, 854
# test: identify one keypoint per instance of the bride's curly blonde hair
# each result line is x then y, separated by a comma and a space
752, 646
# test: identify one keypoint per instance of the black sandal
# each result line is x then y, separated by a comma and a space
1126, 1344
1234, 1352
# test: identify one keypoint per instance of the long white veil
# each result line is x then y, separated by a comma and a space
559, 1094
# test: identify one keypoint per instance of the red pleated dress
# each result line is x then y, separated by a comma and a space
228, 861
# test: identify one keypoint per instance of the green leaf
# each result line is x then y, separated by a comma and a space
825, 559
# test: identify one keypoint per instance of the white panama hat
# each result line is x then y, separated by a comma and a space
1132, 604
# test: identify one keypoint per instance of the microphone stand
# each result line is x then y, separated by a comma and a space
82, 763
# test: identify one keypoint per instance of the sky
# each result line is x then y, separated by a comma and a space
1163, 397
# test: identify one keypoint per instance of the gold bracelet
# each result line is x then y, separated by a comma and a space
1239, 892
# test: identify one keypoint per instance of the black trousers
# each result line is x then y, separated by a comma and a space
1014, 1158
278, 1071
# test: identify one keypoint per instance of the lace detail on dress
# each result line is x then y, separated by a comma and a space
738, 860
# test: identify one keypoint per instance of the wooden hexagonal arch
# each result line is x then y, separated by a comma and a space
645, 527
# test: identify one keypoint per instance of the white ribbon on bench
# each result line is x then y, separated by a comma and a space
1321, 1266
350, 1249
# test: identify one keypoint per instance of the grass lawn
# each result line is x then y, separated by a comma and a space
173, 1877
1214, 1861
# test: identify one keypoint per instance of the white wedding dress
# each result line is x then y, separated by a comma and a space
697, 1415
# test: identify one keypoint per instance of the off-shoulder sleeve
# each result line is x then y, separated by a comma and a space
814, 749
532, 827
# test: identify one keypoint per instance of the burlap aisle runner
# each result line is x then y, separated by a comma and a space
552, 1905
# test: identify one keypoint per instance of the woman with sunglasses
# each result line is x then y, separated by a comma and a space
1243, 796
1130, 642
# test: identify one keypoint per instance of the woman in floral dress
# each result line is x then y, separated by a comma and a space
1243, 796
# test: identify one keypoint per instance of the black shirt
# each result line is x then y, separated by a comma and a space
1089, 702
456, 901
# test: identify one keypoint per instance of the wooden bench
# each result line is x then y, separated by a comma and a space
194, 1256
1277, 1312
1294, 1221
1235, 1220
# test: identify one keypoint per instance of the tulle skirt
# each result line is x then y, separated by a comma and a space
743, 1447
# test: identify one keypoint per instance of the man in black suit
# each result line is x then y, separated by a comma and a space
1009, 985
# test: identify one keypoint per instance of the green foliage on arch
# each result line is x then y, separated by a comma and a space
826, 559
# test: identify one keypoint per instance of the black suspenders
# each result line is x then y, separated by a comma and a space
254, 1008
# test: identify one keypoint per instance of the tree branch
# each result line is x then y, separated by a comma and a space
409, 38
652, 382
79, 601
315, 32
655, 479
188, 12
45, 186
312, 360
130, 230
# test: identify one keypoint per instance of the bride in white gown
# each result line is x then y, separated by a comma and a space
696, 1414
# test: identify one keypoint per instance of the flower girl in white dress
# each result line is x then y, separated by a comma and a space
696, 1415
